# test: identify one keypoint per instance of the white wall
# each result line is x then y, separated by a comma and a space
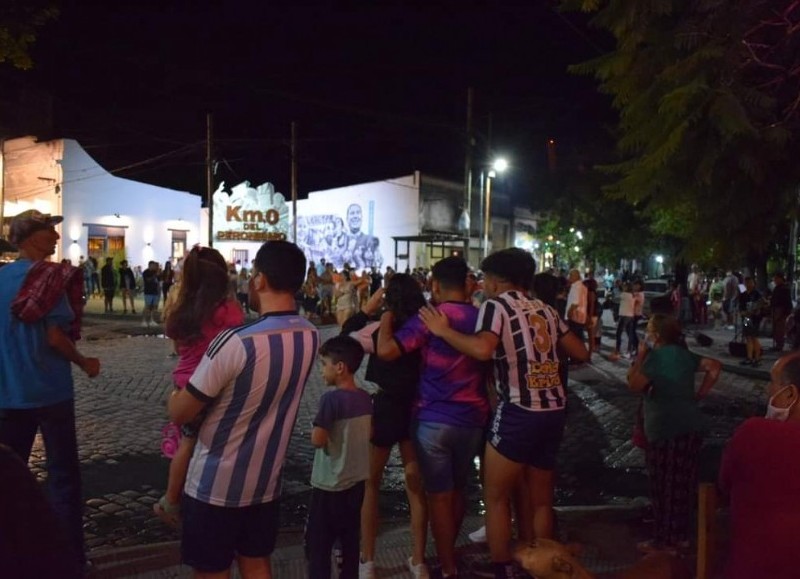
388, 208
91, 195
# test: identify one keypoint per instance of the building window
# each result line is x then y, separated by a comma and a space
97, 247
178, 244
104, 241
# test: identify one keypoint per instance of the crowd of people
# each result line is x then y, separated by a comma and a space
436, 340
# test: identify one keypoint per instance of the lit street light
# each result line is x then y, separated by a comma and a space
498, 166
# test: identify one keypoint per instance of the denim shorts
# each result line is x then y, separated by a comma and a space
446, 454
151, 300
527, 437
212, 536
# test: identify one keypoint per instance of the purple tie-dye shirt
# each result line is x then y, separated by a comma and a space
452, 388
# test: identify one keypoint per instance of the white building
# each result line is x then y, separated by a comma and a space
103, 214
353, 224
408, 221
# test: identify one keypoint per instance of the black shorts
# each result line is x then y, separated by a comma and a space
750, 325
527, 437
212, 536
391, 420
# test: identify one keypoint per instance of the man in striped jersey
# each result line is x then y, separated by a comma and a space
521, 335
250, 382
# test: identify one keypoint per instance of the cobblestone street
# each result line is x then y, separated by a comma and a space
121, 413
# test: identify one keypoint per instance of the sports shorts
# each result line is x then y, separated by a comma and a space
529, 437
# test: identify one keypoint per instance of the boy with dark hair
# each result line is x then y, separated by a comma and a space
521, 335
341, 462
453, 405
515, 265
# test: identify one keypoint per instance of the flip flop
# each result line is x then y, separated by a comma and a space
168, 512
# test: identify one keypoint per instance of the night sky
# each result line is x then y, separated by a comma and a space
376, 91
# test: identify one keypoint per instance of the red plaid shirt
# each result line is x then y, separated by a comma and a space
44, 285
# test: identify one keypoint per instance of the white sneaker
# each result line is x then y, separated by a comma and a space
420, 571
478, 536
366, 570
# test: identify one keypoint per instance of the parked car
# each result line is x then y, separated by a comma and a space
653, 288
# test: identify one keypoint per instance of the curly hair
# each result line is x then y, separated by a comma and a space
403, 298
514, 265
204, 286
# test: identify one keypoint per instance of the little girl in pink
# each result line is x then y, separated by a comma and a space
204, 307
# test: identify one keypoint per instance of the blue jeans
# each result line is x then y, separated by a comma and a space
57, 422
446, 454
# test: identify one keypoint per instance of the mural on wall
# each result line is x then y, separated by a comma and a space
341, 240
250, 213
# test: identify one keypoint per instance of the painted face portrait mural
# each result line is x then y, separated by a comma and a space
339, 240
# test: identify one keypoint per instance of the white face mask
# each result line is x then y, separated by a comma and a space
775, 413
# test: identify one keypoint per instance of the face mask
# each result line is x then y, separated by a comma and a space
775, 413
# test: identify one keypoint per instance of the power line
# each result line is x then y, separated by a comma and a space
99, 171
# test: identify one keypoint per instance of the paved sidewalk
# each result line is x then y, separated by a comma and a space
608, 534
121, 413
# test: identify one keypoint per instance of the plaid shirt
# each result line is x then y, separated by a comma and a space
44, 285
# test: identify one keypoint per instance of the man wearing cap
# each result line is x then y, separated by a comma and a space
40, 309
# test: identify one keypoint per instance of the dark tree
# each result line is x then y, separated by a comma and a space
708, 93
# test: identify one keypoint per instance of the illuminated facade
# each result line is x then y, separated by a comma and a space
357, 224
103, 214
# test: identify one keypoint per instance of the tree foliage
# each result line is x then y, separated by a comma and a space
708, 95
19, 22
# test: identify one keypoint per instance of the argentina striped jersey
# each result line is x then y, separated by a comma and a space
252, 377
525, 360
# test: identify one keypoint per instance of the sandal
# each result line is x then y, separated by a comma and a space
168, 512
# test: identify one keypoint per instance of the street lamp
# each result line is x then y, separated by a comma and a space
498, 166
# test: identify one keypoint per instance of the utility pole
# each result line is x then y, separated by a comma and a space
210, 178
487, 214
468, 172
294, 181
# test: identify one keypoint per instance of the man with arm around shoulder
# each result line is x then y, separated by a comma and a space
521, 335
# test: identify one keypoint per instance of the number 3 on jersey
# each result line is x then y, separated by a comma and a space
541, 337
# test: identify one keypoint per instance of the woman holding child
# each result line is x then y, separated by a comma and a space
203, 308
